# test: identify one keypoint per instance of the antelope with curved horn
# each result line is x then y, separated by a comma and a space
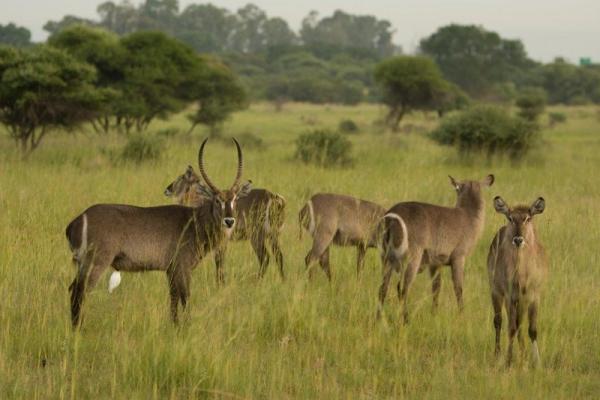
260, 217
430, 235
517, 265
167, 238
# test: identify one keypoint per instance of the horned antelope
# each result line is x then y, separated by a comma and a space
341, 220
168, 238
429, 235
516, 267
260, 218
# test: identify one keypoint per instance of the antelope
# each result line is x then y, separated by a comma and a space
427, 235
341, 220
168, 238
260, 217
517, 265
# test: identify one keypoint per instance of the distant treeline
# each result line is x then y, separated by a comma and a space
332, 58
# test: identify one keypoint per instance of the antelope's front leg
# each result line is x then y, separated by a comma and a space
220, 263
458, 268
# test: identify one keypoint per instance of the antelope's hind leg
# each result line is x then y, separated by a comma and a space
532, 317
321, 241
258, 240
89, 270
276, 251
436, 285
497, 305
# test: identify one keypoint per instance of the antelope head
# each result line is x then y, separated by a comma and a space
223, 202
469, 192
184, 188
519, 226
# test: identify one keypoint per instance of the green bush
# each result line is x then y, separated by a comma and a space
531, 103
324, 148
348, 126
556, 118
140, 148
488, 129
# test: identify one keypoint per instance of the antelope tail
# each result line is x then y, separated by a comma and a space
306, 218
395, 236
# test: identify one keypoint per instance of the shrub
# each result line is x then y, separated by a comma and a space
324, 148
557, 118
487, 129
348, 126
140, 148
531, 103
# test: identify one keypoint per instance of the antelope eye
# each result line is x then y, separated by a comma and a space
510, 218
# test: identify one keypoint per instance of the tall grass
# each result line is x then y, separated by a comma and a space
293, 339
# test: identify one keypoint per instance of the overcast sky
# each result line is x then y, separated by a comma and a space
569, 28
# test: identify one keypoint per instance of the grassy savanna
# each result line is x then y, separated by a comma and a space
296, 339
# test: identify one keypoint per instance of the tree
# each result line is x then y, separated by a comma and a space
101, 49
408, 83
531, 102
569, 84
475, 58
347, 31
449, 98
121, 19
158, 73
53, 27
217, 94
158, 15
277, 33
254, 32
206, 27
42, 89
13, 35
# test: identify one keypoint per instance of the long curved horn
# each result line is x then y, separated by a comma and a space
201, 166
238, 176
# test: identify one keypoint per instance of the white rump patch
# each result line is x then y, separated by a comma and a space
80, 252
114, 281
404, 245
311, 212
267, 226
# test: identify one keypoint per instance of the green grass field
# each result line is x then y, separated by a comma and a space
296, 339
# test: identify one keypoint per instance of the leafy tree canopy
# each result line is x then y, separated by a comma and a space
45, 88
408, 83
13, 35
475, 58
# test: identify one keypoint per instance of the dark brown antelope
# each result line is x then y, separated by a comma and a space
516, 267
341, 220
423, 234
260, 218
168, 238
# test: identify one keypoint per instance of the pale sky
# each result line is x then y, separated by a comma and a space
568, 28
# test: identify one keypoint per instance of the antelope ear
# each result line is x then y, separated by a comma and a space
204, 191
537, 207
454, 183
488, 180
501, 206
245, 189
190, 171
